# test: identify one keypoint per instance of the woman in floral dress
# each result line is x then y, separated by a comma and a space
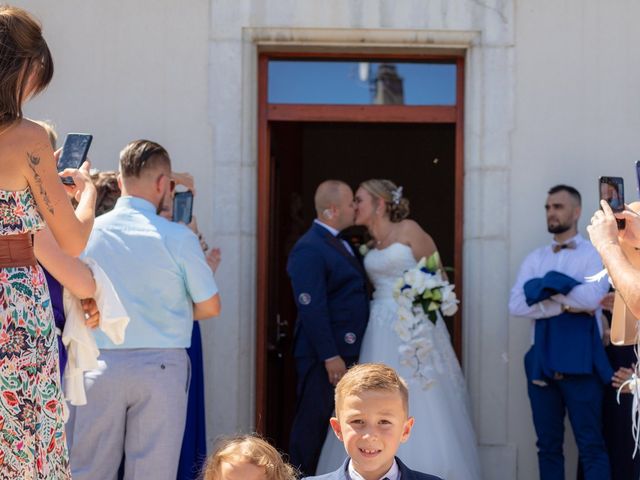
32, 441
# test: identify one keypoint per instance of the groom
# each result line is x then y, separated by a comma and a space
330, 291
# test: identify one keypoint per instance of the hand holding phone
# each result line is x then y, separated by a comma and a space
74, 153
183, 207
612, 191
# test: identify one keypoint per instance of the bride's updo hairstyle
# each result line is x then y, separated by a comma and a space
397, 206
24, 54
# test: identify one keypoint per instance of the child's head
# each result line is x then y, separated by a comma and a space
372, 416
246, 457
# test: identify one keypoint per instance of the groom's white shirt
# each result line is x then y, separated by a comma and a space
335, 233
579, 263
392, 474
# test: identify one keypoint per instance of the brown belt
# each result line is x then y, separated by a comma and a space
16, 251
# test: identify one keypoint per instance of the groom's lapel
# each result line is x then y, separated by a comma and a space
338, 245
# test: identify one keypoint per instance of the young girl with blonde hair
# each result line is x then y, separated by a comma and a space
246, 457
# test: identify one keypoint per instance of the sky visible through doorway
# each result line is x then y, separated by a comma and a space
350, 82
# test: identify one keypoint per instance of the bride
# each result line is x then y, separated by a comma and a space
442, 441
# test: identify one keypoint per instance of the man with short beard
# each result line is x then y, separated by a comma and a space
566, 367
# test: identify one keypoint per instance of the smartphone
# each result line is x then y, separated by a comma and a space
638, 175
612, 190
74, 153
183, 207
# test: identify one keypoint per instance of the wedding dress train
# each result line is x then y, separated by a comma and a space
442, 441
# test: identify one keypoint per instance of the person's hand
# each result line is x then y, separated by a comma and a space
607, 301
631, 232
81, 180
579, 310
336, 368
621, 376
91, 312
603, 229
194, 228
185, 179
214, 257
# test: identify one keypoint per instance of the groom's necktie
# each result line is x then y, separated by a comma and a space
345, 244
562, 246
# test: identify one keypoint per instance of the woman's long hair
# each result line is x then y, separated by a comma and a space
25, 60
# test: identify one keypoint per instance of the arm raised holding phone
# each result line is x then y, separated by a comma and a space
607, 239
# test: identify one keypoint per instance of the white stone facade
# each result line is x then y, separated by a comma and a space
550, 97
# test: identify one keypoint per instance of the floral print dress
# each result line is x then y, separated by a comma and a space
32, 440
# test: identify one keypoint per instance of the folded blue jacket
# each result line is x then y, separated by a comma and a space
569, 343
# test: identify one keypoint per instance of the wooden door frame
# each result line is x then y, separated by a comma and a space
344, 113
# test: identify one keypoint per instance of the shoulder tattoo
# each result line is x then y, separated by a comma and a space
34, 161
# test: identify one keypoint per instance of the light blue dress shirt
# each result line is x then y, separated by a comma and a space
158, 269
392, 474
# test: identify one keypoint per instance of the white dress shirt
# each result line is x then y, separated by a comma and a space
578, 263
335, 233
392, 474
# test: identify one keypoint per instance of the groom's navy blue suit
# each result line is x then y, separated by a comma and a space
330, 291
405, 473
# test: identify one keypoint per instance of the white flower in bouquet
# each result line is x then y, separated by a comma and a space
421, 329
405, 302
422, 281
449, 301
397, 289
406, 316
408, 356
449, 309
436, 280
422, 348
403, 331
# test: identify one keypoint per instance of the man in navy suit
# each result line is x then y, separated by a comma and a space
566, 367
330, 291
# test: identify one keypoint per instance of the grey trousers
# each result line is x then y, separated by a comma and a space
136, 405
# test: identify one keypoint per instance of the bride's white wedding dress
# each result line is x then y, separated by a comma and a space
442, 441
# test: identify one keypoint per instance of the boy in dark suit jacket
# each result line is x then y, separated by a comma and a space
372, 420
330, 291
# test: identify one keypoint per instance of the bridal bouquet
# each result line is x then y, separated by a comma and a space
422, 294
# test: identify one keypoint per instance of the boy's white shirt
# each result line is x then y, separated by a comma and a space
392, 474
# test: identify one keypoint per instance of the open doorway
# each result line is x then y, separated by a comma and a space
350, 116
419, 157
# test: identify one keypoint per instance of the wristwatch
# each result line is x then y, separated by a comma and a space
565, 308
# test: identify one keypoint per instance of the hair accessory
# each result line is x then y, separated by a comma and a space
396, 195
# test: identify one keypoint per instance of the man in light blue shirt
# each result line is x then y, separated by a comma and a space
136, 400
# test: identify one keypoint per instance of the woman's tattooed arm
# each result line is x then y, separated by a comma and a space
33, 162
